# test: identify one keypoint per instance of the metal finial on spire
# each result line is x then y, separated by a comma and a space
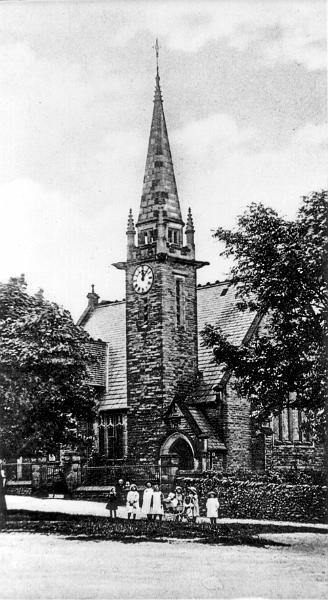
156, 48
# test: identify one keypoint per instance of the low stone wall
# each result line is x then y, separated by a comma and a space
282, 502
265, 500
18, 488
93, 493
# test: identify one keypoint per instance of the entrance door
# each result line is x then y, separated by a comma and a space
185, 456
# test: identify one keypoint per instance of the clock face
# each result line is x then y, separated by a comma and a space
143, 278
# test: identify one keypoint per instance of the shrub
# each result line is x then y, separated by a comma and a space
281, 495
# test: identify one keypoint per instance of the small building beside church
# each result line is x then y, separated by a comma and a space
164, 401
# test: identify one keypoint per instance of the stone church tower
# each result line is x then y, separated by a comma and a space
161, 303
165, 406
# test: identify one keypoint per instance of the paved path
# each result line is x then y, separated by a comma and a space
85, 507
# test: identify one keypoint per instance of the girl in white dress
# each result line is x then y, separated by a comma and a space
188, 507
146, 501
212, 507
193, 492
132, 501
157, 503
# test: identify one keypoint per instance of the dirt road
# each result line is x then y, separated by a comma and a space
36, 566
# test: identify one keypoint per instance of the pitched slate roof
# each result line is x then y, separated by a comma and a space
206, 428
198, 422
107, 322
216, 306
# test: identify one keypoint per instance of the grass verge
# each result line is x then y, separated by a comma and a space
83, 527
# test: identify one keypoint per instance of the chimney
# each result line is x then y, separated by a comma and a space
92, 297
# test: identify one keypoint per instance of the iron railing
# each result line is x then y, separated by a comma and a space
47, 474
110, 474
16, 471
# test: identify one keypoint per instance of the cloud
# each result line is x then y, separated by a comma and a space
63, 248
74, 136
50, 110
203, 139
229, 159
278, 31
46, 236
224, 169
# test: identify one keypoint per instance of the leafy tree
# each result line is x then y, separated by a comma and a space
44, 372
280, 270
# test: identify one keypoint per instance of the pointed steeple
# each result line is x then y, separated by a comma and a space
159, 186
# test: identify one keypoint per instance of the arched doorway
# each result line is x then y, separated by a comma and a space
185, 454
177, 454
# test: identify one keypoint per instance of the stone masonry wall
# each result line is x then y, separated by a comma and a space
161, 358
237, 431
300, 456
179, 342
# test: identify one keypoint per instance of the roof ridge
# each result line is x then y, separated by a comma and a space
109, 302
214, 283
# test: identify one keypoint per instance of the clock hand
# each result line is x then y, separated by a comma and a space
142, 274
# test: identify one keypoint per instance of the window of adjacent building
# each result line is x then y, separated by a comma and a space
288, 426
179, 302
112, 435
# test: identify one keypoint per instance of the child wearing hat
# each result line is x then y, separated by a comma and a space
188, 507
132, 502
212, 507
175, 502
193, 492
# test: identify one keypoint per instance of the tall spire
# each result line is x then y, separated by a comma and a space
159, 186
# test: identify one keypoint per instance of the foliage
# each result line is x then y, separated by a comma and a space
280, 270
291, 476
282, 496
44, 360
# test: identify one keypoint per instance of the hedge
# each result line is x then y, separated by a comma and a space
253, 499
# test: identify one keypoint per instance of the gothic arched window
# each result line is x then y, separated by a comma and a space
111, 435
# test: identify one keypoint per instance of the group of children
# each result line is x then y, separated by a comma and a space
181, 504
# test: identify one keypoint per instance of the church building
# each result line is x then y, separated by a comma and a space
164, 401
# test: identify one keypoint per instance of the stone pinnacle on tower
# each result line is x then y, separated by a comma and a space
130, 232
190, 231
130, 227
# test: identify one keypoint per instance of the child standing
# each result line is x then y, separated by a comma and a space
157, 503
212, 507
194, 495
188, 507
132, 501
147, 499
112, 503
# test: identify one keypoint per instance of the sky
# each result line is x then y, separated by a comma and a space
244, 89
